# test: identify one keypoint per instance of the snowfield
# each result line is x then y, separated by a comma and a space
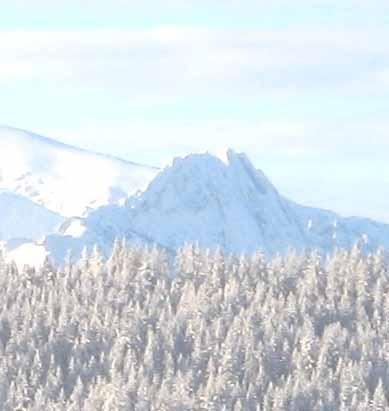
65, 179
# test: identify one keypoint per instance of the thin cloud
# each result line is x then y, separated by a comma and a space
192, 61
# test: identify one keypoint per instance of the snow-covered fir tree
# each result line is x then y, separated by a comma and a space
141, 332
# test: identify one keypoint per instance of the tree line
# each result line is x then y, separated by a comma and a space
142, 331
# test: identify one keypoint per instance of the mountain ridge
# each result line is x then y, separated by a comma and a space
58, 143
214, 200
201, 199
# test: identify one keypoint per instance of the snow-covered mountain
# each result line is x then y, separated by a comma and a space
64, 179
211, 200
215, 202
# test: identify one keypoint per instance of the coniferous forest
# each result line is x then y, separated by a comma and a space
142, 331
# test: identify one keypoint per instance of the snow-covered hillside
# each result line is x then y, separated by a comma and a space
64, 179
215, 202
20, 218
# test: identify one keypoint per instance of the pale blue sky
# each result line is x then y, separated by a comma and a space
302, 87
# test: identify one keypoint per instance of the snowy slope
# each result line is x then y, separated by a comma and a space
21, 218
215, 202
26, 254
64, 179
